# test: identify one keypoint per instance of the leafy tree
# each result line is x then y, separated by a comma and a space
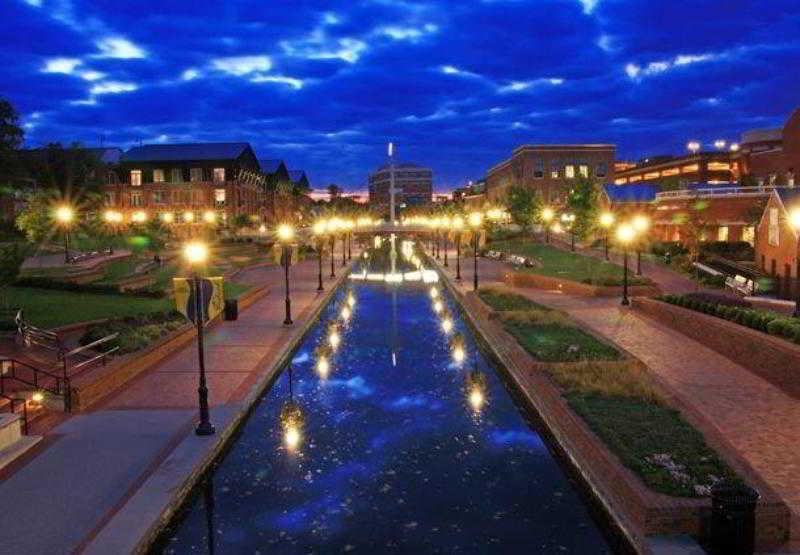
36, 220
73, 170
582, 201
672, 183
11, 136
11, 258
239, 222
334, 191
523, 204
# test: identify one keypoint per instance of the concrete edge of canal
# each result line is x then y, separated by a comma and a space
139, 522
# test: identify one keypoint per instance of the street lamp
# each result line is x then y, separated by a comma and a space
113, 219
458, 225
547, 216
693, 146
64, 215
331, 229
446, 230
285, 236
319, 232
625, 234
794, 220
640, 223
196, 254
209, 217
569, 220
719, 144
606, 221
475, 220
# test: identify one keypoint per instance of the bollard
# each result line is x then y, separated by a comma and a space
733, 519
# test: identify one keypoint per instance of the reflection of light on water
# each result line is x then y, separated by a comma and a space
476, 391
438, 307
447, 325
476, 399
345, 314
323, 367
334, 339
301, 358
394, 359
434, 292
351, 300
458, 354
292, 438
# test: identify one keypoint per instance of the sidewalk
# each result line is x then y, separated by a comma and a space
754, 417
60, 497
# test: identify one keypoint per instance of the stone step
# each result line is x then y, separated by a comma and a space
17, 449
10, 429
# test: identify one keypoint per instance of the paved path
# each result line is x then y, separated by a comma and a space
755, 417
57, 500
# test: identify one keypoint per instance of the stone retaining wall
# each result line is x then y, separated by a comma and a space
771, 358
538, 281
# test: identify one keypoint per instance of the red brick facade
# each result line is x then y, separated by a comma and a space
777, 244
772, 156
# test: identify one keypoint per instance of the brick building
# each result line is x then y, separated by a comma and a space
548, 169
188, 183
414, 185
772, 156
777, 240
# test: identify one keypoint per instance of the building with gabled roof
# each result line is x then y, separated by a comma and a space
778, 240
299, 179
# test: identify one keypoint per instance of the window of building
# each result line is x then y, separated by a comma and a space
670, 171
110, 198
690, 168
196, 174
197, 197
219, 197
774, 230
583, 170
176, 197
219, 175
652, 175
538, 168
136, 177
158, 197
719, 166
177, 175
635, 178
749, 234
601, 170
158, 176
621, 181
722, 233
136, 199
569, 171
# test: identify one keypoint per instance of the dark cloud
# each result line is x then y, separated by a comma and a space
324, 85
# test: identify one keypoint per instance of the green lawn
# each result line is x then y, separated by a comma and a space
50, 308
554, 342
502, 300
568, 265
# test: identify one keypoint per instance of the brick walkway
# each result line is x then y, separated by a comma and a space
58, 498
755, 418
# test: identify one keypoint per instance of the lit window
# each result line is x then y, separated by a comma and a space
158, 176
219, 175
553, 174
196, 174
158, 197
219, 197
719, 166
722, 233
670, 171
635, 178
652, 175
136, 199
774, 231
690, 168
749, 234
110, 199
136, 177
569, 172
621, 181
177, 175
584, 171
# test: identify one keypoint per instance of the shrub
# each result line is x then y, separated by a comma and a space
736, 250
672, 247
718, 298
135, 333
619, 380
96, 288
535, 317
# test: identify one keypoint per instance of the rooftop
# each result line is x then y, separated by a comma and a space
187, 151
762, 135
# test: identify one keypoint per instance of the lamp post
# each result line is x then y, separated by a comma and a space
547, 216
350, 239
196, 254
112, 218
446, 228
475, 220
693, 146
569, 220
640, 225
625, 234
458, 225
64, 215
606, 221
331, 229
285, 235
794, 220
319, 232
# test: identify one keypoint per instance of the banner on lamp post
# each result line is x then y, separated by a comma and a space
212, 298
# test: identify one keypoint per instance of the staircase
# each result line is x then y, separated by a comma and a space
12, 441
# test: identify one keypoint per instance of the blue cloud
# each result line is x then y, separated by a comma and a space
456, 86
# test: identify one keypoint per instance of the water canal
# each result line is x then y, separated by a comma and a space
393, 446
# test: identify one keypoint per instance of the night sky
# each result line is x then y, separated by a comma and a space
456, 84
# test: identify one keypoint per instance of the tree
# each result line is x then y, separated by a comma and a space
11, 136
73, 170
239, 222
334, 191
582, 202
523, 204
36, 220
11, 258
672, 183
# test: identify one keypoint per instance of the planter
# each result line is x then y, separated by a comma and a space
538, 281
771, 358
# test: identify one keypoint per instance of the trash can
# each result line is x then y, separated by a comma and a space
231, 309
733, 519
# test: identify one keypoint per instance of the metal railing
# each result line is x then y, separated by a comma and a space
12, 408
716, 192
31, 335
82, 358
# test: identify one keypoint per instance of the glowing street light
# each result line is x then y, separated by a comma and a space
547, 216
693, 146
64, 215
569, 221
475, 221
734, 147
209, 217
188, 217
285, 236
139, 217
167, 217
196, 254
625, 235
606, 221
458, 225
113, 219
719, 144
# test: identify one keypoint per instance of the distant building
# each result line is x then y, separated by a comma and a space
715, 168
413, 183
777, 241
771, 156
186, 183
548, 169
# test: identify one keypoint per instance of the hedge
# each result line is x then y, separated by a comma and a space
95, 288
767, 322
